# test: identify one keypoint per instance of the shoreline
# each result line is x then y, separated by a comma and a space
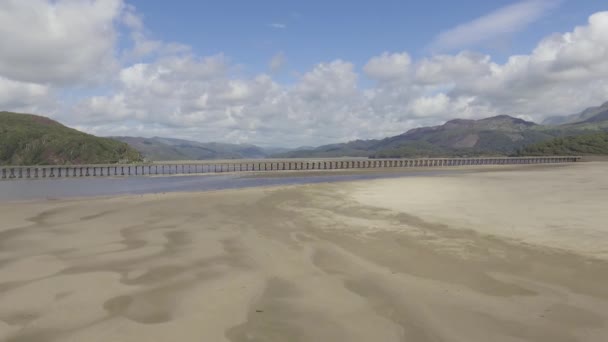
236, 180
392, 259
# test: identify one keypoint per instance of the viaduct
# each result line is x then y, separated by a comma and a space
118, 170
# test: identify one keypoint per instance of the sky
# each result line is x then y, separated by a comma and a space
298, 73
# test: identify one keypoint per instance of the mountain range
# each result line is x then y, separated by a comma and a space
158, 148
27, 139
588, 116
498, 135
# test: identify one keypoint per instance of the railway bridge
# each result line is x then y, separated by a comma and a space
265, 165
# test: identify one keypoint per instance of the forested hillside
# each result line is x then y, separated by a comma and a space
27, 139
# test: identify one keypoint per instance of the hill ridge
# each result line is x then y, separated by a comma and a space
29, 139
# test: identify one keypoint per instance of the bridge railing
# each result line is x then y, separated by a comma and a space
117, 170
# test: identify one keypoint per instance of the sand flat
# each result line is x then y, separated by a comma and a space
517, 255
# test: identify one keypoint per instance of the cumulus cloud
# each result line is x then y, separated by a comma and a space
562, 74
57, 42
200, 98
505, 20
152, 87
388, 67
23, 96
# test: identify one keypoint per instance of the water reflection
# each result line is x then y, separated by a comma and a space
88, 187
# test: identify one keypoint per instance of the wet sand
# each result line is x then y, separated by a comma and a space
512, 255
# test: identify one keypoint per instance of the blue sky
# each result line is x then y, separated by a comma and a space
312, 31
292, 73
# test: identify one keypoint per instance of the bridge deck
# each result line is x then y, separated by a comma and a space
119, 170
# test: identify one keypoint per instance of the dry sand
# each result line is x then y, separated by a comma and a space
517, 255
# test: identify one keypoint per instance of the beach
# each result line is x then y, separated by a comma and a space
517, 254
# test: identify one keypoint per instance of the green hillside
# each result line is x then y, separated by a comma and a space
27, 139
586, 144
158, 148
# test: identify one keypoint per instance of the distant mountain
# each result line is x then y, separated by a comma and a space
589, 115
586, 144
501, 134
357, 148
158, 148
27, 139
498, 135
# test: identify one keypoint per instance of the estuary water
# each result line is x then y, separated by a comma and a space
18, 190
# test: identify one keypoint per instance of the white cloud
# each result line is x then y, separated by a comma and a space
58, 42
200, 98
505, 20
152, 87
388, 67
23, 97
430, 105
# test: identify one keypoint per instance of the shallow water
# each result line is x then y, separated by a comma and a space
17, 190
